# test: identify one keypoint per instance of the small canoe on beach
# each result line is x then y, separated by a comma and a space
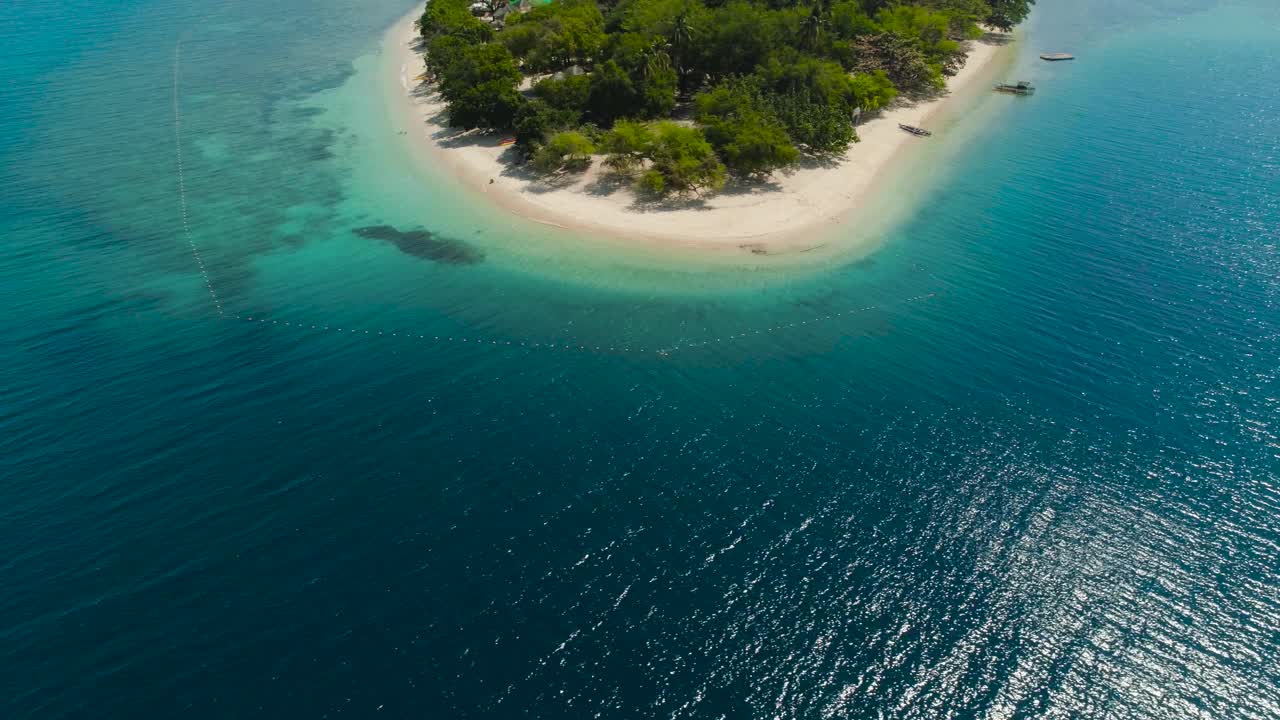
918, 132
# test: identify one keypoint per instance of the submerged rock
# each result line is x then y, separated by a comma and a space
424, 244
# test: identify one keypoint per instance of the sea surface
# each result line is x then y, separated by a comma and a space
292, 428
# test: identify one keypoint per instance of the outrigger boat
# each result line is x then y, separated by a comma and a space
1022, 87
919, 132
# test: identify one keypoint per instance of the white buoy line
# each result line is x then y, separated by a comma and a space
182, 185
563, 346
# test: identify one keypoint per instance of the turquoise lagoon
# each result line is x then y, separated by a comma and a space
1047, 487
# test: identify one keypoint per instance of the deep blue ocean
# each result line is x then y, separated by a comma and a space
1049, 489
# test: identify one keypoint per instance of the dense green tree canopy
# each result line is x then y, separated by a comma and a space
901, 59
566, 150
748, 137
566, 93
850, 20
819, 128
1005, 14
627, 145
535, 120
762, 80
741, 35
556, 36
480, 86
681, 162
613, 95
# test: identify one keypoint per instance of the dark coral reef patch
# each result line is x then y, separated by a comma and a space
424, 244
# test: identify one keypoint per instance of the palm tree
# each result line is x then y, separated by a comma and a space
682, 44
656, 61
812, 27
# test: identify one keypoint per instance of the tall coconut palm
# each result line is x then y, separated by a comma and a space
812, 28
682, 45
656, 62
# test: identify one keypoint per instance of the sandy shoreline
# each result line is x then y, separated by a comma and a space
782, 216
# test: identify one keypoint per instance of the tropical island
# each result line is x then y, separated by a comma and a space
665, 101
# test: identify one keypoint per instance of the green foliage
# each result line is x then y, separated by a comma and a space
480, 88
652, 182
679, 158
647, 63
453, 17
929, 31
777, 77
873, 91
568, 150
789, 23
825, 81
627, 145
535, 120
522, 39
848, 20
632, 50
593, 132
449, 29
902, 61
819, 128
748, 138
963, 16
753, 145
478, 64
666, 18
741, 35
1005, 14
912, 21
731, 98
556, 36
442, 51
658, 92
568, 93
684, 159
613, 95
801, 98
813, 29
681, 25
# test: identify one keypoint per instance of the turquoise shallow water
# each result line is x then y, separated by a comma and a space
1050, 489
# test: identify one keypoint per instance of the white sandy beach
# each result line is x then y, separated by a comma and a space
780, 215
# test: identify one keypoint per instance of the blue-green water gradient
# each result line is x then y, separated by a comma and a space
1049, 490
